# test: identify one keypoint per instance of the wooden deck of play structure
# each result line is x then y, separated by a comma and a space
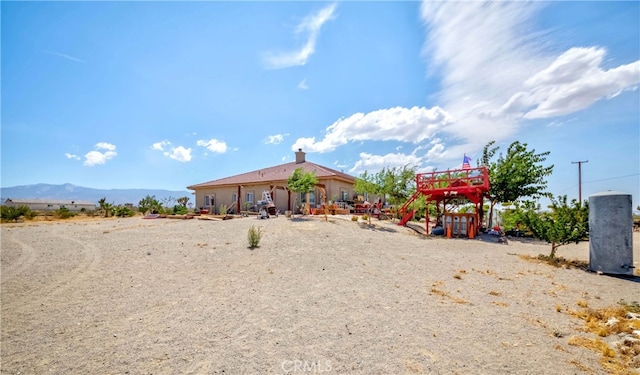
470, 184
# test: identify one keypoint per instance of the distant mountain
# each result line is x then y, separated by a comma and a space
79, 193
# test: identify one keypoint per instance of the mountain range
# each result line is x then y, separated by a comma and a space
80, 193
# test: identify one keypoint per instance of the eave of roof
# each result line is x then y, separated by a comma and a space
278, 173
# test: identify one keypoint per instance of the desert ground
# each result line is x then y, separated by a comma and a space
136, 296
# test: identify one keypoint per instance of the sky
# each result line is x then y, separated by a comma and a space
165, 95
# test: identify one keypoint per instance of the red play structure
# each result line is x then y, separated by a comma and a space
471, 184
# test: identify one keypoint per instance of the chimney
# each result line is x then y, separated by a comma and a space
300, 156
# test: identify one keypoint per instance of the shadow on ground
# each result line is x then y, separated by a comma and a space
377, 228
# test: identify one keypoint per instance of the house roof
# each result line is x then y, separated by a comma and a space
46, 201
278, 173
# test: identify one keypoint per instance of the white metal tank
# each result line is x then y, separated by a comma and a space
611, 233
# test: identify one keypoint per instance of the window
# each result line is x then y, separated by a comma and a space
234, 197
312, 198
209, 200
345, 195
249, 197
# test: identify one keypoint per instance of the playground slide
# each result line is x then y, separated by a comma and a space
405, 219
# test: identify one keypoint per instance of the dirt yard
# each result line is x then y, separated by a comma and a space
135, 296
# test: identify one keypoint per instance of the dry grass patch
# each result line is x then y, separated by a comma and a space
558, 262
582, 303
439, 292
619, 321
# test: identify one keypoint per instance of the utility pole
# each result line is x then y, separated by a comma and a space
580, 177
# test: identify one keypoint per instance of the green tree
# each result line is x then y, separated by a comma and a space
302, 182
183, 201
396, 184
102, 203
366, 184
518, 174
108, 208
564, 224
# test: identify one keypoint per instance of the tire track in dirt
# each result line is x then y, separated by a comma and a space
81, 271
24, 261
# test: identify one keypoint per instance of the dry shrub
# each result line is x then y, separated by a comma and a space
582, 303
254, 235
609, 321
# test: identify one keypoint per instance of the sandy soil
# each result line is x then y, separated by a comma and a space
135, 296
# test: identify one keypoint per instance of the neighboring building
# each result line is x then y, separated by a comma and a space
245, 190
50, 204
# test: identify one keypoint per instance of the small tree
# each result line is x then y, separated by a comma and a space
102, 202
562, 225
149, 203
302, 182
396, 183
366, 184
108, 207
518, 174
183, 201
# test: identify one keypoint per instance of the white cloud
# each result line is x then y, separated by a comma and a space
394, 124
65, 56
484, 52
105, 146
574, 81
303, 85
374, 163
437, 151
275, 139
490, 59
96, 157
71, 156
160, 146
213, 145
179, 153
310, 25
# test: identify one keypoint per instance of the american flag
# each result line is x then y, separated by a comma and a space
466, 162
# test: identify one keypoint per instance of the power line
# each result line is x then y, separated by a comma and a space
602, 179
613, 178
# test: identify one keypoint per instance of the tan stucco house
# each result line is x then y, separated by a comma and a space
243, 191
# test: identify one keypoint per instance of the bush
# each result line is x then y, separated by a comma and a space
365, 217
254, 236
122, 211
14, 213
180, 210
63, 213
223, 209
354, 218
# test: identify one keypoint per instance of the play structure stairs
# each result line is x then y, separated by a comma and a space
406, 216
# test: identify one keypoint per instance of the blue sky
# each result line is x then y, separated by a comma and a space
169, 94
